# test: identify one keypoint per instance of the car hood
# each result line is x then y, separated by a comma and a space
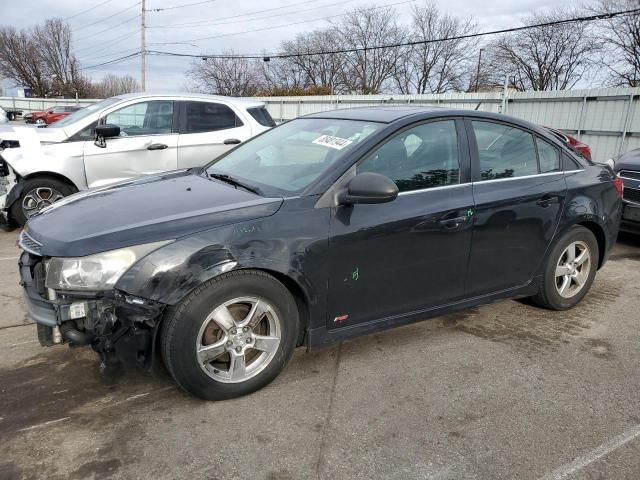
151, 209
628, 161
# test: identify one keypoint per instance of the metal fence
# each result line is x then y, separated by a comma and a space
608, 120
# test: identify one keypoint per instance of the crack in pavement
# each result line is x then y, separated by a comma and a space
323, 436
17, 325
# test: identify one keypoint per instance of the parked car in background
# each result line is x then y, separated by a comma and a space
627, 166
47, 117
120, 138
327, 227
12, 113
3, 116
572, 142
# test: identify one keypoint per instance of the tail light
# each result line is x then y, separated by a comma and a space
619, 184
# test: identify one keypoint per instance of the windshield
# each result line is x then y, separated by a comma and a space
85, 112
290, 157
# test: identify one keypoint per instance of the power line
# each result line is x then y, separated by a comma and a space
294, 23
111, 62
88, 9
107, 18
180, 6
111, 54
110, 42
106, 29
590, 18
271, 16
207, 22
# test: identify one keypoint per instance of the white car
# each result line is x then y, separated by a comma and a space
3, 116
117, 139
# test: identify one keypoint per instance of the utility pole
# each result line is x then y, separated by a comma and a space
142, 47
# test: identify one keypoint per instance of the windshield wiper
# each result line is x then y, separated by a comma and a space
235, 182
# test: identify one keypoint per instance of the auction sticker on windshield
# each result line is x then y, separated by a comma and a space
332, 142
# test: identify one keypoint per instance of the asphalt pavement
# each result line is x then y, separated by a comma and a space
498, 392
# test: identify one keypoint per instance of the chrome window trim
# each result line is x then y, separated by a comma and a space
524, 177
430, 189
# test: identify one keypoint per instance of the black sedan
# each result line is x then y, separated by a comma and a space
627, 167
329, 226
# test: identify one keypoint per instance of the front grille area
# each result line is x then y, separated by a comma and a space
28, 244
630, 174
632, 195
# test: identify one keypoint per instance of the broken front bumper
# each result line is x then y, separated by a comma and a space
111, 322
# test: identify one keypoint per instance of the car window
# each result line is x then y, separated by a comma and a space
569, 163
548, 157
144, 118
288, 158
261, 115
209, 117
504, 151
422, 157
57, 109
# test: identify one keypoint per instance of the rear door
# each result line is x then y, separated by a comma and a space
519, 192
207, 130
147, 144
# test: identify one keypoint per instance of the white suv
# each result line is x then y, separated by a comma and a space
142, 134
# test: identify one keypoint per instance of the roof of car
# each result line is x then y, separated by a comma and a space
377, 113
194, 96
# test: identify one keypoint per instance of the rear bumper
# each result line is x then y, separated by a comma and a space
630, 218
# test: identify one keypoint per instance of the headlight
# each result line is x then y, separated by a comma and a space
95, 272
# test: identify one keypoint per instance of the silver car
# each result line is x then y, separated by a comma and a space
117, 139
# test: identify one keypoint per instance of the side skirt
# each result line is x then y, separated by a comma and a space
321, 336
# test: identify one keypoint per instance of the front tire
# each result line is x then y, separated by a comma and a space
38, 193
569, 271
231, 336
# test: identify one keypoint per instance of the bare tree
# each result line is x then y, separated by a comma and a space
435, 67
620, 37
323, 70
548, 57
112, 85
236, 77
368, 70
42, 59
20, 61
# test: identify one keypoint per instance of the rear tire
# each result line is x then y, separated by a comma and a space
231, 336
569, 271
38, 193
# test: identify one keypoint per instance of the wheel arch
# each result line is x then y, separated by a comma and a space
299, 295
54, 175
598, 232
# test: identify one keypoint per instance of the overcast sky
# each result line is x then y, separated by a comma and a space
98, 38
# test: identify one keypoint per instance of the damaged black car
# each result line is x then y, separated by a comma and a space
326, 227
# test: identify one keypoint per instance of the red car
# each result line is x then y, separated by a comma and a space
47, 117
572, 142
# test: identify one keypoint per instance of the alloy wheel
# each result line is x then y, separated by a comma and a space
38, 198
40, 121
238, 339
572, 269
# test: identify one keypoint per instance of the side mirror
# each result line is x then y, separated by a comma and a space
103, 132
369, 187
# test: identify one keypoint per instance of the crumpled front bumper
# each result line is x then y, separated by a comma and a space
111, 322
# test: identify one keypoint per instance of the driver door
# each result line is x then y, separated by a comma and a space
411, 254
148, 143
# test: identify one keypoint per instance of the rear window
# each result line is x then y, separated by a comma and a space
261, 115
209, 117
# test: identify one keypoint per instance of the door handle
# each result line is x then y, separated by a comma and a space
157, 146
231, 141
453, 222
547, 200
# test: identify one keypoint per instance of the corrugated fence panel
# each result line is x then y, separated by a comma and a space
599, 117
